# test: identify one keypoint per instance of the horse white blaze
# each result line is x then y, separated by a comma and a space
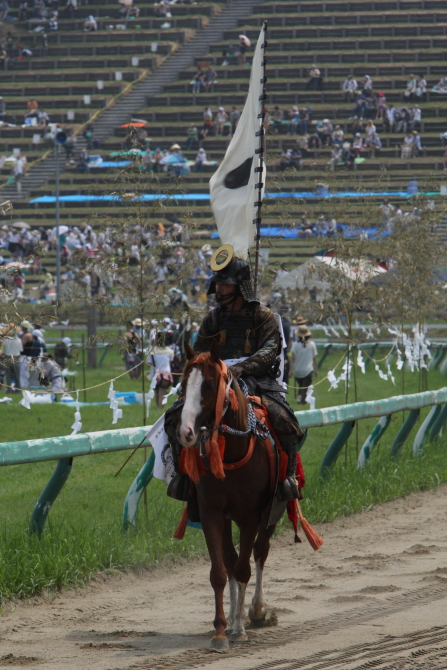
257, 609
191, 408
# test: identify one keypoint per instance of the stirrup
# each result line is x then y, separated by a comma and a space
287, 490
178, 487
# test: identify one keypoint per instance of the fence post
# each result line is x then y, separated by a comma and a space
372, 439
438, 423
49, 495
327, 349
335, 448
404, 432
426, 426
439, 359
136, 490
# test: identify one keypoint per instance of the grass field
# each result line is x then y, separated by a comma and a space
83, 533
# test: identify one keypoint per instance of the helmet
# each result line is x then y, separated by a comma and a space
236, 272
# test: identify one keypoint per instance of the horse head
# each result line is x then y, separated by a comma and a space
201, 383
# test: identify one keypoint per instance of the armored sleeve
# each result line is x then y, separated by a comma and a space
269, 345
209, 327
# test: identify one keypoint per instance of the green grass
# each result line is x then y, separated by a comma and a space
83, 533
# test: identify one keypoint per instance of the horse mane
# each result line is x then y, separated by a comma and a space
241, 412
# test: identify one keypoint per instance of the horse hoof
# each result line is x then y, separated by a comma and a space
238, 637
257, 616
220, 644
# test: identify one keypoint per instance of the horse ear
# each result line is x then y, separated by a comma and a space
214, 350
190, 353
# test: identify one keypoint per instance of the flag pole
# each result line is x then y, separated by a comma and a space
261, 162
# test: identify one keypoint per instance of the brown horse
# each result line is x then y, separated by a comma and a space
240, 493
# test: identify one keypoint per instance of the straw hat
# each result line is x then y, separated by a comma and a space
303, 332
26, 324
176, 146
300, 321
137, 322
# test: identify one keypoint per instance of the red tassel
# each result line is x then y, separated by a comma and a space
221, 442
313, 538
215, 460
188, 463
283, 463
180, 530
233, 400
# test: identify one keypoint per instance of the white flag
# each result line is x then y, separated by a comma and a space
232, 186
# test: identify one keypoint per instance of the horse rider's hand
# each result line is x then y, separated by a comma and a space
236, 371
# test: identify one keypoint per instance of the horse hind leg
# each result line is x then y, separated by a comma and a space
230, 558
258, 610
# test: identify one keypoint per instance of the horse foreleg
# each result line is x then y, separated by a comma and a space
242, 573
261, 548
213, 529
230, 558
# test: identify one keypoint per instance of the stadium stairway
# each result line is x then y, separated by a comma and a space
125, 107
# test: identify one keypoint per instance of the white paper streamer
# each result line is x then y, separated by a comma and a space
174, 390
381, 374
26, 400
310, 397
332, 379
360, 361
117, 412
390, 374
76, 427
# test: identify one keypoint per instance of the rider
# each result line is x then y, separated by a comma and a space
250, 344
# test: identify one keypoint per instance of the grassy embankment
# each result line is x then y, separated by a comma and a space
83, 533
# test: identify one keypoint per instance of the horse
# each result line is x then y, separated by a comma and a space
236, 487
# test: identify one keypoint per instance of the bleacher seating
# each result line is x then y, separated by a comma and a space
386, 40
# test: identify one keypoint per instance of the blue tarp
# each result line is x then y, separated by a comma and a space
110, 164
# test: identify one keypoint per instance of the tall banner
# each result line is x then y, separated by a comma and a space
233, 186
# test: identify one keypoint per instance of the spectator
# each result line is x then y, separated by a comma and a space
357, 126
303, 144
421, 88
32, 106
42, 118
390, 117
209, 78
235, 115
71, 7
198, 80
23, 11
416, 116
4, 9
207, 122
306, 113
88, 135
62, 352
336, 156
242, 52
315, 79
410, 91
11, 349
132, 354
50, 375
53, 24
325, 131
367, 85
69, 147
369, 130
19, 170
374, 143
357, 145
160, 362
200, 161
441, 86
291, 158
304, 362
337, 136
416, 144
371, 106
193, 136
402, 117
45, 45
387, 210
349, 88
360, 105
381, 108
83, 161
90, 24
294, 116
221, 120
407, 145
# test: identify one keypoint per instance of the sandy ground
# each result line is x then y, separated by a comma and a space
374, 596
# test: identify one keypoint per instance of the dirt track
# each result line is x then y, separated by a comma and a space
375, 596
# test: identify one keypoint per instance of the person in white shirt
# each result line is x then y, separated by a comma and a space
10, 350
349, 87
304, 362
160, 362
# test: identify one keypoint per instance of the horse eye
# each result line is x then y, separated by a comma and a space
209, 384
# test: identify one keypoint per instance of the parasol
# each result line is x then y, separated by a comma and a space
21, 224
363, 269
245, 40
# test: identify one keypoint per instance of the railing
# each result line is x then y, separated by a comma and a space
68, 447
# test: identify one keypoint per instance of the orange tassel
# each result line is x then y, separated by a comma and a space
189, 463
223, 337
313, 538
180, 530
233, 400
221, 443
247, 346
215, 460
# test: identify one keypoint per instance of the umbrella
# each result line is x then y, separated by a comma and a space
21, 224
137, 124
245, 39
62, 230
125, 2
17, 265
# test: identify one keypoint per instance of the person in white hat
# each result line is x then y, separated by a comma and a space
221, 120
304, 362
200, 161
